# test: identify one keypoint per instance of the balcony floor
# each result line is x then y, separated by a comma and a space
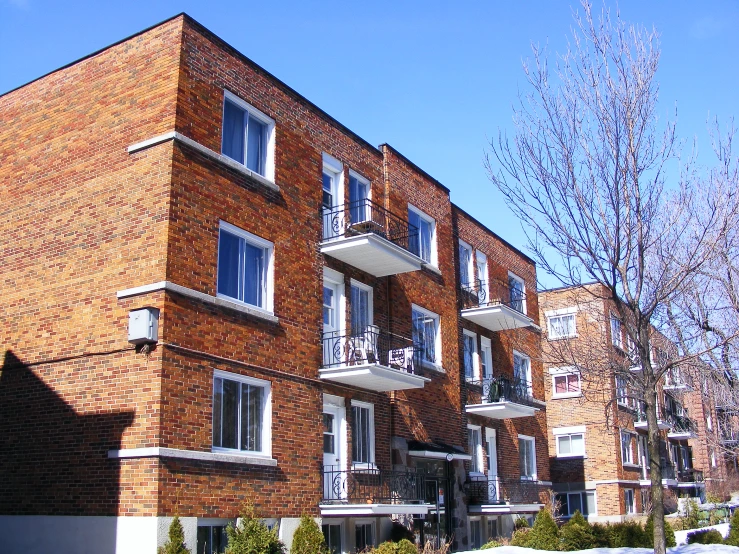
642, 425
365, 510
497, 317
501, 410
373, 254
374, 377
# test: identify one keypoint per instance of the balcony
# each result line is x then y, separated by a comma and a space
681, 427
495, 306
728, 437
497, 493
501, 398
675, 381
369, 237
640, 420
690, 476
374, 360
372, 491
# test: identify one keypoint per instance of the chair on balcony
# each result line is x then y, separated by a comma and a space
402, 359
365, 347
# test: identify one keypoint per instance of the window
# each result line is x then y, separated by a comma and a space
212, 538
363, 433
573, 501
486, 358
629, 501
518, 293
332, 535
469, 343
248, 136
242, 416
570, 441
361, 307
474, 440
426, 336
244, 267
622, 391
642, 451
565, 382
475, 533
522, 374
561, 323
364, 535
616, 332
359, 194
482, 275
422, 245
466, 271
527, 457
627, 451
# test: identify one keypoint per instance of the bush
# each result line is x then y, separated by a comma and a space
733, 538
398, 532
176, 542
705, 536
521, 537
649, 533
627, 534
577, 534
308, 538
490, 544
251, 536
601, 535
544, 534
521, 523
404, 546
692, 515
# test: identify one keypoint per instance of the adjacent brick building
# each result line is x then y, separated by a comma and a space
596, 420
324, 332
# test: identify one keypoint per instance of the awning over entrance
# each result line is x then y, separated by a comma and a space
437, 451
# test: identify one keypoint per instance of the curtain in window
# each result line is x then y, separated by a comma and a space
464, 266
360, 311
516, 288
255, 147
425, 236
424, 336
233, 132
251, 418
254, 274
473, 439
229, 267
469, 349
358, 194
360, 435
414, 240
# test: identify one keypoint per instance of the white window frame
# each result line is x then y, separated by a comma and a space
529, 381
259, 242
362, 179
433, 261
565, 372
515, 277
371, 438
570, 513
617, 339
486, 356
470, 266
629, 507
266, 451
335, 169
481, 265
370, 298
478, 521
532, 440
631, 435
475, 369
436, 364
623, 400
564, 312
269, 162
560, 432
479, 454
371, 523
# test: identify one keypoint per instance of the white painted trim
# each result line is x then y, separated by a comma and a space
190, 293
371, 438
486, 352
563, 370
437, 365
480, 453
333, 164
370, 298
205, 151
523, 290
561, 311
269, 161
535, 476
362, 179
438, 455
333, 276
159, 452
568, 430
434, 261
475, 356
333, 400
470, 264
360, 510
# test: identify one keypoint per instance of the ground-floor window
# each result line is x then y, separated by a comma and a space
570, 502
492, 528
475, 533
332, 534
364, 535
629, 501
212, 539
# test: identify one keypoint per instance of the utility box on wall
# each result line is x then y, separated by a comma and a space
143, 326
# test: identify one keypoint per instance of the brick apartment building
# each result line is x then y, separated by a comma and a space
597, 423
215, 293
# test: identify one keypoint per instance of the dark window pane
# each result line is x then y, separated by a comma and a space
254, 275
229, 266
217, 407
230, 421
255, 148
233, 132
251, 418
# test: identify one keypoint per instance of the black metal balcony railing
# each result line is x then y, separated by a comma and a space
668, 472
371, 347
690, 476
641, 414
482, 294
364, 216
728, 435
503, 389
360, 486
499, 490
682, 424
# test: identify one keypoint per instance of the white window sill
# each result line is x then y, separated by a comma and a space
190, 293
222, 456
432, 268
361, 466
571, 456
568, 395
529, 478
631, 466
552, 339
432, 367
205, 151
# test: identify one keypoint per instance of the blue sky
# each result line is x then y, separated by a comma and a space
435, 79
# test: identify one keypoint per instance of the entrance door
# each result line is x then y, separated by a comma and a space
334, 476
491, 451
332, 351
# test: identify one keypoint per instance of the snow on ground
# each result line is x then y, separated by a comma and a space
684, 549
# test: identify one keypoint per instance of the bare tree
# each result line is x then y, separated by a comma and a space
585, 172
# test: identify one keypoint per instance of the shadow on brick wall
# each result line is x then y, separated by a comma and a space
53, 460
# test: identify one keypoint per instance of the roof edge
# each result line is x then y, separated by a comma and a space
416, 167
